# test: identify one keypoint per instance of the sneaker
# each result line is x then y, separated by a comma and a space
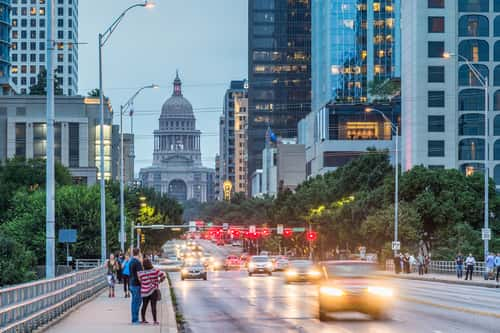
145, 322
156, 323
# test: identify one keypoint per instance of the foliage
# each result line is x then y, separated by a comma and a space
383, 90
40, 87
15, 262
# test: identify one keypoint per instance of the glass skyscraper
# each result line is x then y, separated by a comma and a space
4, 42
353, 43
279, 71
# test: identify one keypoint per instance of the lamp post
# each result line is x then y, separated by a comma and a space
123, 109
103, 38
395, 130
483, 81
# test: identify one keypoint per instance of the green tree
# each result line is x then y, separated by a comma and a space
40, 87
382, 90
15, 262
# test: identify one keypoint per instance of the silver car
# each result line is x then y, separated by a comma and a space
260, 264
194, 271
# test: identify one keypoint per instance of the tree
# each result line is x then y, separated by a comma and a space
383, 90
94, 93
40, 87
16, 264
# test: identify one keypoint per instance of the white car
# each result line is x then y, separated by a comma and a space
260, 264
281, 263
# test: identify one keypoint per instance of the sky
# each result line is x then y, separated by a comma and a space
206, 40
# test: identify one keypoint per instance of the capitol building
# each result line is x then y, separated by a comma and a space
177, 168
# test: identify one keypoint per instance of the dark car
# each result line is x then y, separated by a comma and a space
302, 271
349, 286
195, 270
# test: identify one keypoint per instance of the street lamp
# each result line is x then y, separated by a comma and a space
483, 81
124, 109
395, 130
103, 38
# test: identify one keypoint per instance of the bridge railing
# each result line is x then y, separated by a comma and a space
84, 264
28, 306
440, 267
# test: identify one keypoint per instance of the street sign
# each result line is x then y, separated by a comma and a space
225, 226
279, 229
486, 233
396, 246
251, 229
299, 229
192, 226
67, 235
209, 224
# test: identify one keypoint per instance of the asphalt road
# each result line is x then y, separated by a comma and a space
233, 302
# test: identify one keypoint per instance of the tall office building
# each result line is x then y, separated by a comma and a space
241, 144
29, 27
353, 42
279, 37
237, 89
4, 46
443, 101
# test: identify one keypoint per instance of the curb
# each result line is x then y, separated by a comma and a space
457, 282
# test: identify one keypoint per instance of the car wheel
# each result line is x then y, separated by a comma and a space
322, 315
205, 277
249, 274
182, 278
379, 315
270, 273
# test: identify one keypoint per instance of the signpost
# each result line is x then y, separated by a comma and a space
225, 226
192, 226
252, 229
396, 246
67, 236
299, 229
486, 234
279, 229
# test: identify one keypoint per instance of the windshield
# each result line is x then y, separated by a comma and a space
301, 263
260, 259
350, 270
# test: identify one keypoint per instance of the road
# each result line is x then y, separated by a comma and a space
233, 302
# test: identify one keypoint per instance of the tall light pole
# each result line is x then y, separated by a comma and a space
50, 245
103, 38
483, 81
124, 109
395, 131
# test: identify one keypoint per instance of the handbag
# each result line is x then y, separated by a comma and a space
158, 294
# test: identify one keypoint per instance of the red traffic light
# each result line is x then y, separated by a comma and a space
265, 232
312, 235
287, 232
235, 233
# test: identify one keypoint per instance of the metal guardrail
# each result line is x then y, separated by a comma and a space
441, 267
28, 306
84, 264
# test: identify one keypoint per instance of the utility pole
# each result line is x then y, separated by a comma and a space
50, 246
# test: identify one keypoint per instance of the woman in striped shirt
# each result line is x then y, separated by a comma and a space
150, 279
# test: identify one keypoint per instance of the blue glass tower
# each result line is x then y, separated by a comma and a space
4, 42
353, 43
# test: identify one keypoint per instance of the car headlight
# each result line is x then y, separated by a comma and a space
251, 265
269, 265
291, 273
314, 273
381, 291
184, 271
330, 291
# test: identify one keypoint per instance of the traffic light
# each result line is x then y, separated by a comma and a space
311, 236
236, 233
287, 232
265, 232
217, 234
143, 238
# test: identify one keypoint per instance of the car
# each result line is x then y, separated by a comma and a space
351, 286
220, 242
260, 264
195, 270
232, 261
280, 263
302, 271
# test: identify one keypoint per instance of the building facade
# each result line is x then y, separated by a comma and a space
29, 39
443, 101
177, 169
128, 155
23, 133
5, 46
353, 42
241, 144
279, 63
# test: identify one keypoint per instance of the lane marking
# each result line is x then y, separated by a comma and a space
449, 307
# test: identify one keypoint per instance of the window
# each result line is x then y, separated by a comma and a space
496, 26
435, 24
473, 5
436, 167
435, 49
466, 77
435, 3
263, 4
435, 123
496, 126
21, 140
471, 150
74, 145
473, 26
435, 148
474, 50
435, 99
496, 151
496, 173
435, 74
471, 100
471, 124
39, 140
471, 168
496, 5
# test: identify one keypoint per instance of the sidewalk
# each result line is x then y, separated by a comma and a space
445, 278
111, 315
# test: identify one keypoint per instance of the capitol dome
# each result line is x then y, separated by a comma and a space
177, 106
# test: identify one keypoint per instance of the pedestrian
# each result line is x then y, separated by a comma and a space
421, 263
126, 275
469, 266
459, 265
111, 265
397, 264
135, 266
406, 263
412, 261
120, 259
497, 265
401, 262
150, 279
427, 263
490, 266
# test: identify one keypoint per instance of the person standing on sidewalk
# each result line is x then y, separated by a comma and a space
427, 263
421, 264
126, 275
112, 268
150, 291
490, 266
469, 266
459, 265
135, 266
497, 265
